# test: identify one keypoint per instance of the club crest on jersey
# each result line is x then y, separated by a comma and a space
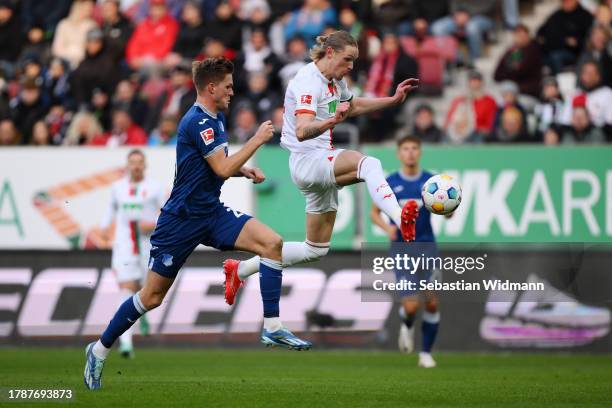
208, 136
306, 99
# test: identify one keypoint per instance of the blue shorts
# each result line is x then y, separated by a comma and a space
176, 237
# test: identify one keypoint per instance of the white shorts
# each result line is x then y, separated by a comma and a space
129, 268
313, 173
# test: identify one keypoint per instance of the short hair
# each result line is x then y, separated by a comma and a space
408, 138
210, 70
134, 152
337, 40
522, 27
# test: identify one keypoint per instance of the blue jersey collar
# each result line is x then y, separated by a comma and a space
410, 178
199, 105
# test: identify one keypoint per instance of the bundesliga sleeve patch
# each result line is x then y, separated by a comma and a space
208, 136
306, 99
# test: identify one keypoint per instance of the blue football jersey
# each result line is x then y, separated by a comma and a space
409, 188
197, 188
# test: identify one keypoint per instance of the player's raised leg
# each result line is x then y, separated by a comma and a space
351, 167
260, 239
429, 330
148, 298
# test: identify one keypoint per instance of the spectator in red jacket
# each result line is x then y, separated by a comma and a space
470, 118
153, 38
124, 133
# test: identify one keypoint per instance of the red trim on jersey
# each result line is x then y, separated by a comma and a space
331, 138
134, 227
305, 111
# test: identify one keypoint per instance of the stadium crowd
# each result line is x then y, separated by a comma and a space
118, 72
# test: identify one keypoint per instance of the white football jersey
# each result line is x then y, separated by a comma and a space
310, 92
131, 204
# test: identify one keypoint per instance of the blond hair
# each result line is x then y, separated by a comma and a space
337, 40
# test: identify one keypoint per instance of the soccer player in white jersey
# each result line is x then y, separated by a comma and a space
135, 203
316, 100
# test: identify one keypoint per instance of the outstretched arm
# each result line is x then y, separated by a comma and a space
306, 127
361, 106
227, 166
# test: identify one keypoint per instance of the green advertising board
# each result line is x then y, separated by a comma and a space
510, 194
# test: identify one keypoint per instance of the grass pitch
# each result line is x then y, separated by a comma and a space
278, 378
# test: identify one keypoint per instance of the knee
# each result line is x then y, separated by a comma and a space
366, 165
272, 247
411, 306
151, 300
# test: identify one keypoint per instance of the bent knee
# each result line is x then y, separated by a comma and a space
151, 300
272, 246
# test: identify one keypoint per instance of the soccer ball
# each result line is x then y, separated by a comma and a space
441, 194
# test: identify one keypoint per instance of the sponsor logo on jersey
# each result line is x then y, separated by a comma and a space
203, 121
306, 99
332, 106
208, 136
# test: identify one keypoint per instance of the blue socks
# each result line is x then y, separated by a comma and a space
270, 282
124, 318
429, 329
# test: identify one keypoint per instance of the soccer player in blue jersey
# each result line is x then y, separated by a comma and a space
407, 183
194, 215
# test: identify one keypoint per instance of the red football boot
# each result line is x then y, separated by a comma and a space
232, 281
410, 212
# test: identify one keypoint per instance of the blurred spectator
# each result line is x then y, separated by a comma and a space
28, 108
550, 111
11, 38
177, 98
563, 35
390, 67
258, 56
255, 15
5, 109
47, 13
511, 127
471, 118
9, 136
350, 24
509, 91
310, 20
165, 134
58, 120
83, 128
36, 45
127, 98
470, 20
116, 27
424, 126
603, 17
425, 14
124, 132
31, 68
40, 134
295, 58
522, 63
245, 124
213, 48
551, 137
190, 39
390, 13
259, 96
153, 38
226, 28
581, 129
56, 82
70, 37
175, 7
99, 69
592, 94
100, 107
599, 49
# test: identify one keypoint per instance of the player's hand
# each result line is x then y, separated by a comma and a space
342, 111
404, 88
264, 132
254, 174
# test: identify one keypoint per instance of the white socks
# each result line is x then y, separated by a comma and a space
272, 324
370, 170
100, 351
125, 340
293, 253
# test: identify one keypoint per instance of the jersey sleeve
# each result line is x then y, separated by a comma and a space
306, 98
205, 135
345, 93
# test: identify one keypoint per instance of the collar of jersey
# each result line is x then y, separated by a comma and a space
199, 105
410, 178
